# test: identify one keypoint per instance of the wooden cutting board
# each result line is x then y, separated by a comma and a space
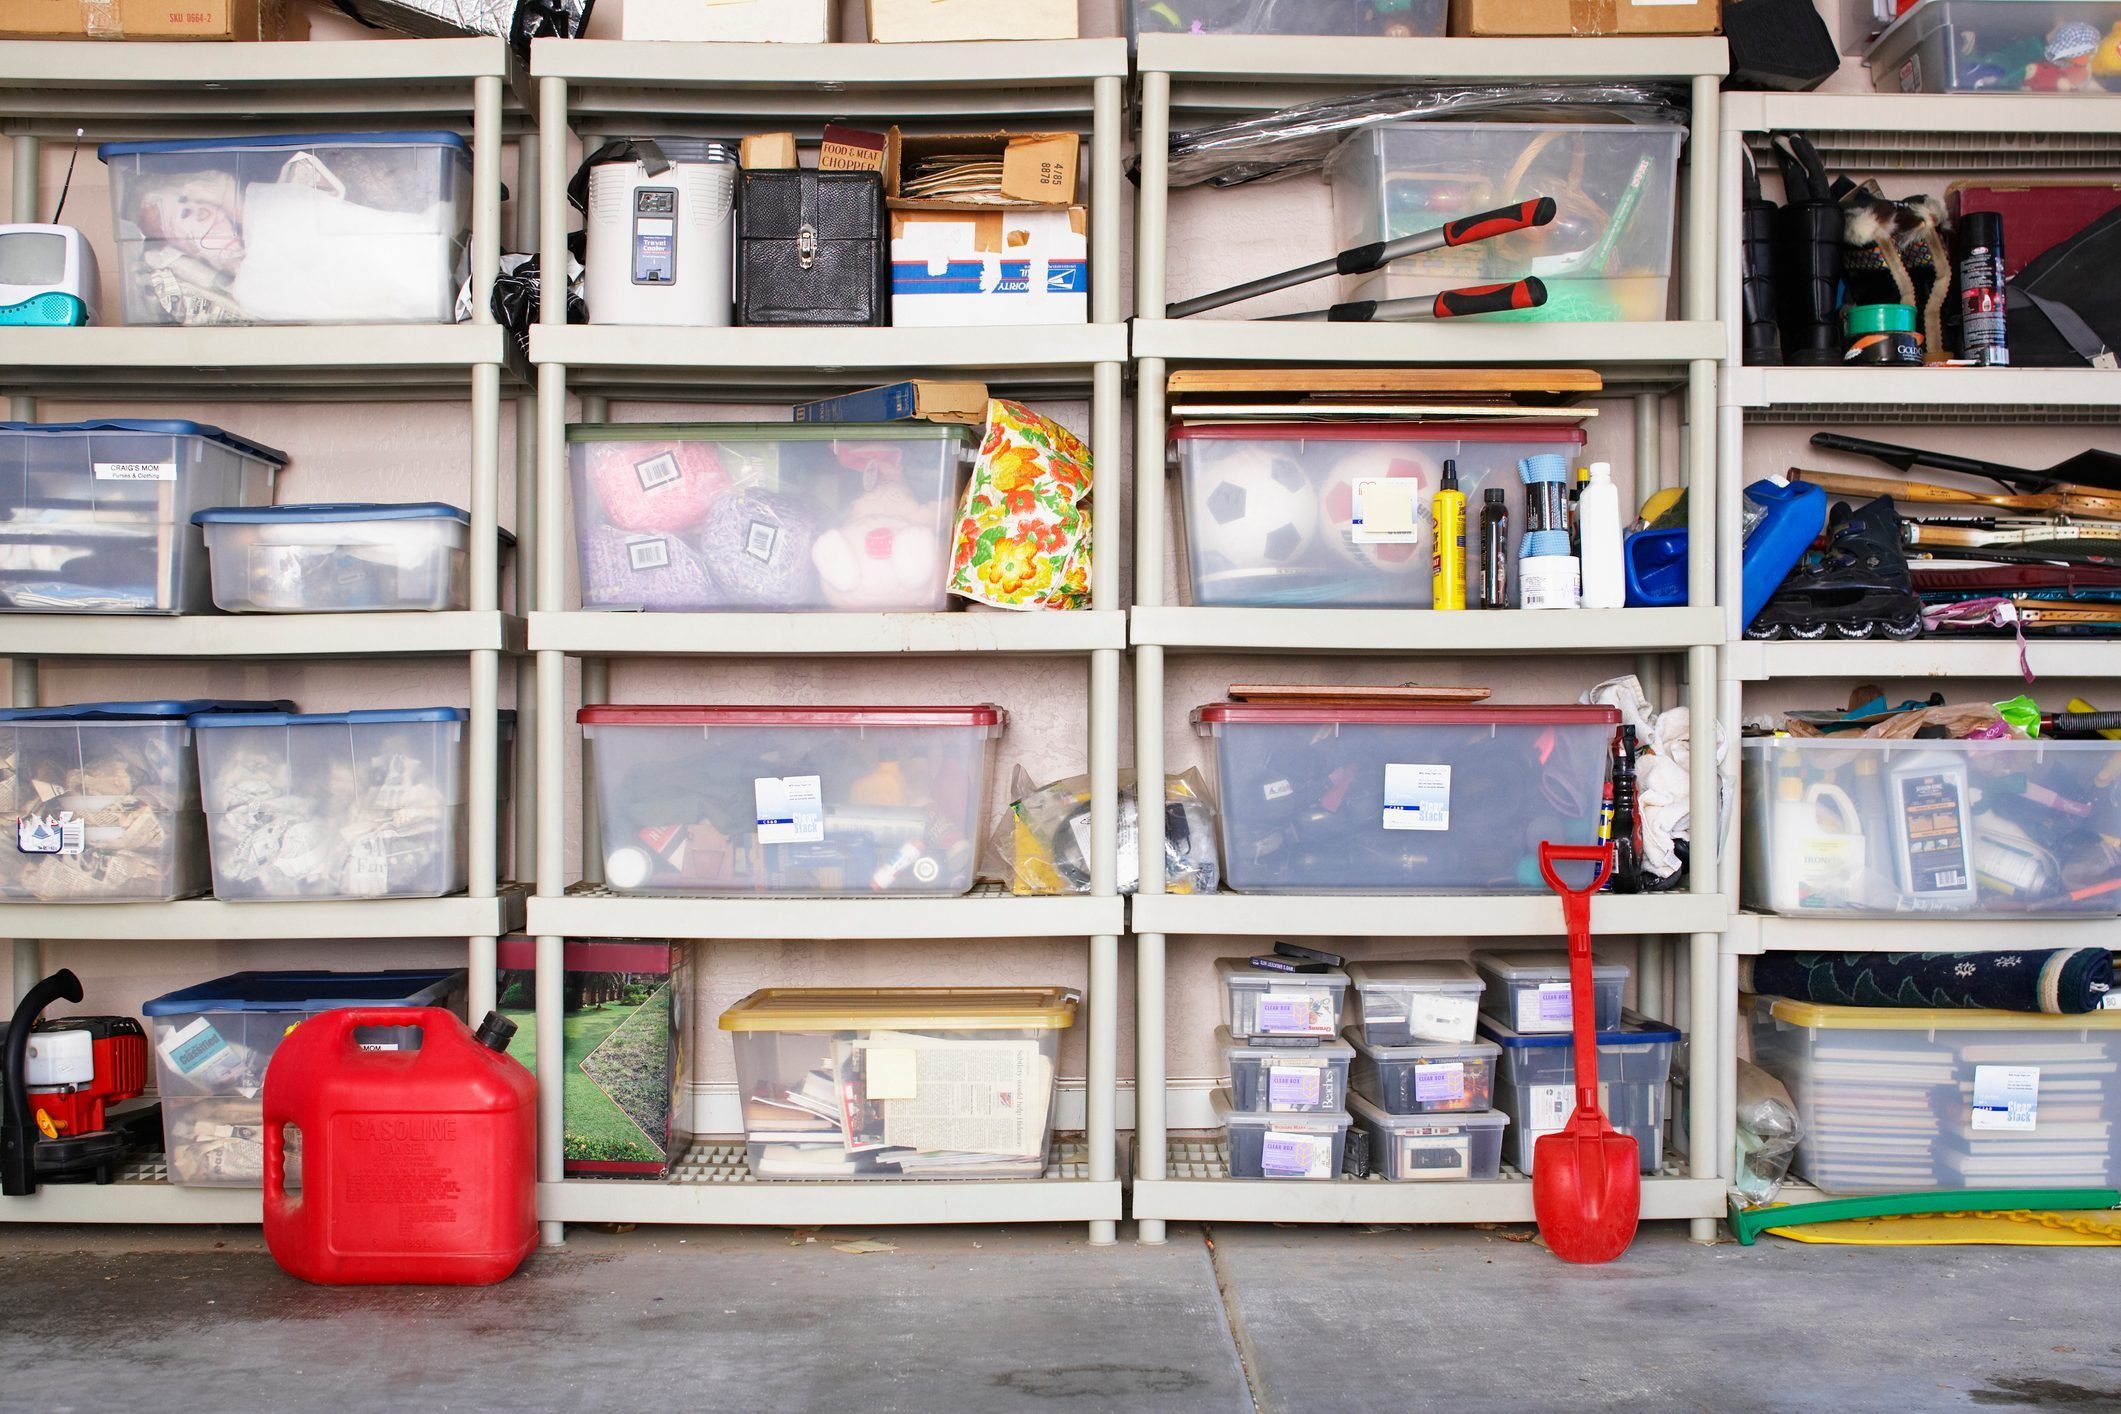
1404, 695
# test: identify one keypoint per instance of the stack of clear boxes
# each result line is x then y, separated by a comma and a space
1423, 1083
1285, 1112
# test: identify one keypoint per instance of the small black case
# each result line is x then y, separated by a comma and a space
811, 249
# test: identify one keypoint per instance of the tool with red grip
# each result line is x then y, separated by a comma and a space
1528, 293
1363, 259
67, 1087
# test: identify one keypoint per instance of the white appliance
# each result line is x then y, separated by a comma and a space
661, 233
47, 276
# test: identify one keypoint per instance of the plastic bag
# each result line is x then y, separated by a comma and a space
517, 21
1024, 535
1768, 1131
1042, 843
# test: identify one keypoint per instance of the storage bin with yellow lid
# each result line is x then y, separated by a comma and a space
898, 1082
1895, 1099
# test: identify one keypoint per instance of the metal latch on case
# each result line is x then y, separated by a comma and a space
806, 246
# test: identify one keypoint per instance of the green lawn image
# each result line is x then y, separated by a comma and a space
617, 1093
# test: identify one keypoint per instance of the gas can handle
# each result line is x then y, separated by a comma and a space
340, 1024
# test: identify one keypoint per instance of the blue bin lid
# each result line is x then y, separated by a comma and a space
308, 991
156, 427
1635, 1030
140, 711
375, 717
428, 138
329, 512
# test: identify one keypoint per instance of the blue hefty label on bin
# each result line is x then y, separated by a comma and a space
1417, 797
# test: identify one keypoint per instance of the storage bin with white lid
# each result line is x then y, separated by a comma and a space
1537, 1085
312, 228
891, 1082
1386, 19
1300, 1146
339, 558
334, 805
836, 801
1998, 46
855, 517
1432, 1148
1337, 515
1426, 1078
1529, 990
1270, 1005
1908, 1098
1404, 1003
1323, 799
1606, 256
95, 517
102, 799
214, 1041
1266, 1078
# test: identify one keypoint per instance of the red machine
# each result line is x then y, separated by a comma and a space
81, 1065
418, 1163
66, 1083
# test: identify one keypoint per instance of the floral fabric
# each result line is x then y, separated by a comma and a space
1023, 539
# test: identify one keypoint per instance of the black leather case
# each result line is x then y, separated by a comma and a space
812, 249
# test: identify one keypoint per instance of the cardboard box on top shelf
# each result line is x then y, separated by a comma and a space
1011, 265
732, 21
1037, 169
845, 149
922, 21
151, 19
764, 152
1501, 18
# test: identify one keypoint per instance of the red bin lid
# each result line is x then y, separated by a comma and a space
1293, 713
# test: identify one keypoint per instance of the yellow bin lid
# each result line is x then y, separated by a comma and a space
903, 1009
1820, 1017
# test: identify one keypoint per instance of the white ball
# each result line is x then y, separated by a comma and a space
1378, 463
1257, 506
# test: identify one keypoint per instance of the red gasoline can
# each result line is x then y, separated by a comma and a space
417, 1166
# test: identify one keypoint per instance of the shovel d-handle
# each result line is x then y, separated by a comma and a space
1576, 912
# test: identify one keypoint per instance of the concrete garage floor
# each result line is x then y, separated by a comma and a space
993, 1320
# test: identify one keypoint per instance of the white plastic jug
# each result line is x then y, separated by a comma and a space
1598, 518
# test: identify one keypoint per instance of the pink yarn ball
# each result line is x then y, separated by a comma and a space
665, 486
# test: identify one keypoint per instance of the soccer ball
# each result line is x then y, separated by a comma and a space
1256, 506
1375, 463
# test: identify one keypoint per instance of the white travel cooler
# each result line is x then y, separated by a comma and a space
660, 242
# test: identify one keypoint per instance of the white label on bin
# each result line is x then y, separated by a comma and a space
1294, 1085
1440, 1081
136, 471
1386, 510
1293, 1014
652, 553
1296, 1155
891, 1073
1544, 1008
63, 833
2006, 1096
1548, 1107
791, 809
1435, 1153
658, 472
1277, 790
2111, 1002
761, 540
1417, 797
1434, 1017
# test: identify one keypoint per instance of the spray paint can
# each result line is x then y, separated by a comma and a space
1984, 336
1495, 550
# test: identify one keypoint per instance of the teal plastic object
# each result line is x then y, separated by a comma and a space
1790, 519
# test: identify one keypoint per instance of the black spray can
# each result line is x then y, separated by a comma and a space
1495, 551
1983, 335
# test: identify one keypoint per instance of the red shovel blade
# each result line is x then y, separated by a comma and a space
1587, 1188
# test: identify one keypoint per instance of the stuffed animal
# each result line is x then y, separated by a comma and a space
2106, 61
887, 554
2066, 65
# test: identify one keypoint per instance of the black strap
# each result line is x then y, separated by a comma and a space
626, 149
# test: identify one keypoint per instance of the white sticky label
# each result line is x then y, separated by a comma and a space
761, 540
791, 809
1431, 1017
1277, 790
658, 472
892, 1073
1417, 797
63, 833
1434, 1154
1547, 1107
2006, 1096
1296, 1156
1440, 1083
1293, 1014
1544, 1008
136, 471
650, 554
1291, 1087
2110, 1002
1387, 510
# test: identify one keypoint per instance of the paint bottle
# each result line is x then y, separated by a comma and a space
1448, 560
1495, 550
1984, 337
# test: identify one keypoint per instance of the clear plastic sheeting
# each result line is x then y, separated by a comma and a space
1295, 141
517, 21
1768, 1131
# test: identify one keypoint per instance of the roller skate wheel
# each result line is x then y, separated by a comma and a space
1855, 631
1808, 633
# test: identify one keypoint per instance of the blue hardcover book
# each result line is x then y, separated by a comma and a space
901, 402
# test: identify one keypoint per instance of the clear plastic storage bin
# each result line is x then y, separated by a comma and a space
1998, 46
1854, 828
1404, 1003
842, 801
95, 517
1389, 19
1278, 1079
1431, 1078
1537, 1086
1529, 990
1403, 800
900, 1082
1606, 256
213, 1042
1338, 515
1302, 1146
854, 517
1897, 1099
1285, 1006
102, 799
327, 559
319, 228
340, 805
1432, 1148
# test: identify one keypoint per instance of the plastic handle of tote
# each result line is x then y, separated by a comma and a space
1576, 910
1525, 215
1528, 293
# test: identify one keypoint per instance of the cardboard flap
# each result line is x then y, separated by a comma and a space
1037, 169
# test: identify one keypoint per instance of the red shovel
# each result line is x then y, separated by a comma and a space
1587, 1179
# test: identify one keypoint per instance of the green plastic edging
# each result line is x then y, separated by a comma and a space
1748, 1223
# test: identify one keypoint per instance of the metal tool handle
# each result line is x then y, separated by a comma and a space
1908, 458
2084, 723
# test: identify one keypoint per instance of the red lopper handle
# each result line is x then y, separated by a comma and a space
1528, 293
1539, 211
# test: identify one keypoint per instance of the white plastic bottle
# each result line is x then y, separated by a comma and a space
1604, 585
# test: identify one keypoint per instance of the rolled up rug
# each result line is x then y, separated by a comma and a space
2060, 981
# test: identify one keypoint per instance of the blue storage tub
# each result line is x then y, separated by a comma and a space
354, 557
1537, 1085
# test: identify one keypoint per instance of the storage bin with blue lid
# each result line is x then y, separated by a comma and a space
316, 228
95, 517
1537, 1085
339, 805
214, 1041
341, 558
102, 799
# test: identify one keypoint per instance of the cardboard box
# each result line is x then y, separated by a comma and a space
950, 269
150, 19
1496, 18
764, 152
922, 21
1038, 169
845, 149
734, 21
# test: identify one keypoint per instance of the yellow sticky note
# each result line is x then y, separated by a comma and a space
891, 1074
1386, 509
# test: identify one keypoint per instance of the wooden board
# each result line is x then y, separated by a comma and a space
1403, 695
1498, 382
1389, 411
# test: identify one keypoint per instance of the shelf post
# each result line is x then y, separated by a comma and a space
25, 958
1151, 1138
1152, 198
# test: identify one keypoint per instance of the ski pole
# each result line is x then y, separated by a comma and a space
1528, 293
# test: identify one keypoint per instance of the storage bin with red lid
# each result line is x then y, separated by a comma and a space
1390, 800
1336, 515
791, 801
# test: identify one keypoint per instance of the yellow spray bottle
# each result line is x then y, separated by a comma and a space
1448, 561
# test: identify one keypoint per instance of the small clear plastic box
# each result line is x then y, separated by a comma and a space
1424, 1079
1390, 19
1529, 991
1281, 1006
1537, 1085
1432, 1148
1270, 1079
339, 559
1291, 1146
1997, 46
1408, 1003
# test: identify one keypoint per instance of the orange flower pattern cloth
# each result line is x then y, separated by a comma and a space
1023, 539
